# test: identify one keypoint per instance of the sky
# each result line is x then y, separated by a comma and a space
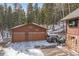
24, 5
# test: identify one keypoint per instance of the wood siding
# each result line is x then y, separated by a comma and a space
19, 36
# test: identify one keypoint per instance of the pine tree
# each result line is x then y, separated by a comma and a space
14, 16
5, 16
1, 20
36, 13
30, 14
1, 14
21, 15
41, 17
15, 13
49, 13
9, 17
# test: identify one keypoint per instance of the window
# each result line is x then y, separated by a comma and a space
73, 23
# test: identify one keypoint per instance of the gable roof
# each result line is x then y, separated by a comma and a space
28, 24
73, 14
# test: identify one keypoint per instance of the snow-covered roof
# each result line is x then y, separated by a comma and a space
73, 14
27, 24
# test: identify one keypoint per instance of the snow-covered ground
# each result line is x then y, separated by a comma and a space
23, 52
25, 48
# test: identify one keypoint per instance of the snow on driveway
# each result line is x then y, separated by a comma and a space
25, 49
28, 52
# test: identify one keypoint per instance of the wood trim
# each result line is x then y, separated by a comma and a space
78, 26
66, 34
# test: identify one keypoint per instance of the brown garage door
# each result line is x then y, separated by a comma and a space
19, 36
36, 35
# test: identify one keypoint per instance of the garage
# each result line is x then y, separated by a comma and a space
28, 32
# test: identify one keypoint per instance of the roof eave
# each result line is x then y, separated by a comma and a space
26, 24
68, 19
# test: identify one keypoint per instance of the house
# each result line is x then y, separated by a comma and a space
28, 32
72, 28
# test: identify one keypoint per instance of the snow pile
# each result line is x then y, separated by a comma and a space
60, 30
60, 47
25, 48
11, 52
28, 52
6, 34
57, 28
51, 32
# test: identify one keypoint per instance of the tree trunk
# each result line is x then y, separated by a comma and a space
69, 7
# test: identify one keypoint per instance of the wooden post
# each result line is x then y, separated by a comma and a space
66, 33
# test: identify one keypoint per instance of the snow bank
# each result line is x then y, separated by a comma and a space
11, 52
23, 52
25, 48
